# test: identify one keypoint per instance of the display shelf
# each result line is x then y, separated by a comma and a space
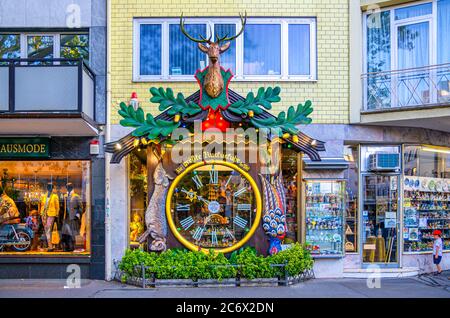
325, 217
291, 212
351, 228
426, 210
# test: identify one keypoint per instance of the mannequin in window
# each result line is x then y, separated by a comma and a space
73, 210
8, 209
49, 211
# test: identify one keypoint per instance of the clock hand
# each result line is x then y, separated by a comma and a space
203, 200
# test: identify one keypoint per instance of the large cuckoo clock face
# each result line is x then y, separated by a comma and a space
213, 205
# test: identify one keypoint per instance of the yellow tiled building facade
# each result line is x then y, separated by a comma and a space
329, 93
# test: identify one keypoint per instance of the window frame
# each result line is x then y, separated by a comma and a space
23, 40
87, 204
239, 58
394, 26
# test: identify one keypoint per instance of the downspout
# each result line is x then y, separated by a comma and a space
108, 259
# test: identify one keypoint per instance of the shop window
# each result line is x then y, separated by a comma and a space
45, 207
138, 194
325, 203
162, 52
380, 203
351, 196
426, 200
290, 177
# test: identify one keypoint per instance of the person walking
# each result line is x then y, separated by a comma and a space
437, 250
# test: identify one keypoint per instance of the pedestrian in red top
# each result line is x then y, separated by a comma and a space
437, 250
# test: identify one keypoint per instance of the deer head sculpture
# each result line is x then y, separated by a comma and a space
213, 83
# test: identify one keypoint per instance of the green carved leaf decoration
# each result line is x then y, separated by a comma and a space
145, 125
175, 105
287, 123
264, 98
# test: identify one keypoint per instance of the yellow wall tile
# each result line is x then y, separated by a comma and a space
330, 94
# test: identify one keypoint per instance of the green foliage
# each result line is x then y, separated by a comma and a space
296, 258
183, 264
253, 266
176, 105
145, 126
287, 123
264, 98
178, 264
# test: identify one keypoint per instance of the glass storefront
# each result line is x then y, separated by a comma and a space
325, 204
45, 207
289, 165
351, 195
138, 194
426, 202
380, 197
380, 218
388, 201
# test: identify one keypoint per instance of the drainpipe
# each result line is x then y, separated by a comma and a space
108, 260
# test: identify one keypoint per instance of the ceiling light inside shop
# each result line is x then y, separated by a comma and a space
436, 149
348, 154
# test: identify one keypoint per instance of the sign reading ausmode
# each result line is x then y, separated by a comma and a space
24, 148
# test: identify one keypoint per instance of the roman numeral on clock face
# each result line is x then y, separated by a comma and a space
187, 223
198, 233
244, 207
183, 207
240, 221
228, 181
213, 176
214, 238
239, 192
229, 234
197, 181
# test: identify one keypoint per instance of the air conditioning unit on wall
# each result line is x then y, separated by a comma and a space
384, 161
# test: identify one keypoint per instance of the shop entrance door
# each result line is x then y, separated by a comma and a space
380, 219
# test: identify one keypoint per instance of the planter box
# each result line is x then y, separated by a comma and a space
227, 282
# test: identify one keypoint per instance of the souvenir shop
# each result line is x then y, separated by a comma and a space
366, 202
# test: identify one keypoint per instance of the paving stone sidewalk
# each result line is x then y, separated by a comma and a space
426, 286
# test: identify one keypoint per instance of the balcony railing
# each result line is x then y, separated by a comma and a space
46, 86
408, 88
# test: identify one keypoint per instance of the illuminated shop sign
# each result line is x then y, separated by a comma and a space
24, 148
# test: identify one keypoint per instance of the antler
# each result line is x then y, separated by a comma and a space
226, 38
202, 40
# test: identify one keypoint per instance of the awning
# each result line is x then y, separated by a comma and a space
326, 164
54, 124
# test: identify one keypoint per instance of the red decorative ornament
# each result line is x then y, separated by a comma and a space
215, 120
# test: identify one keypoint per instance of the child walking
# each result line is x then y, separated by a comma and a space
437, 251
